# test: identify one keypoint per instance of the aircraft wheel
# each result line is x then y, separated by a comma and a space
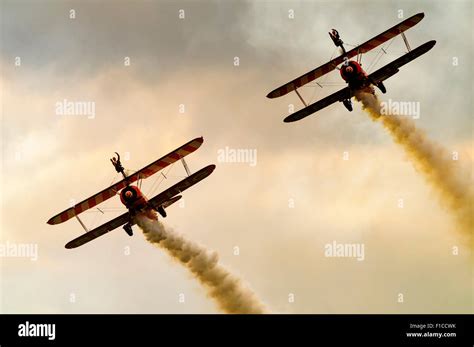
382, 87
128, 229
348, 104
161, 211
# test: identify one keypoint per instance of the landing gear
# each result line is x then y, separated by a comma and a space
161, 211
348, 104
128, 229
381, 86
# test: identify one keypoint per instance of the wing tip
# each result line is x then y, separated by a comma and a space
196, 142
416, 17
430, 45
70, 245
289, 119
280, 91
211, 167
207, 170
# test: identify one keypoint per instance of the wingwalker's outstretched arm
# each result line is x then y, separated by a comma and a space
118, 165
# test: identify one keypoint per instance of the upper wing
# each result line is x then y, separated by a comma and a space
342, 94
109, 192
392, 68
363, 48
181, 186
99, 231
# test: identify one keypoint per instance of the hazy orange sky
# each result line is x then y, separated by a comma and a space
280, 213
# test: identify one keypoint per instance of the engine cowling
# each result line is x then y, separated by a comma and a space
132, 197
351, 71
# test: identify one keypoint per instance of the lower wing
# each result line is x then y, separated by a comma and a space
99, 231
318, 105
392, 68
162, 198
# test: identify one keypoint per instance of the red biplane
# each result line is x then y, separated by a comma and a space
132, 197
351, 70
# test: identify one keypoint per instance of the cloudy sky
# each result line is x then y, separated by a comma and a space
207, 74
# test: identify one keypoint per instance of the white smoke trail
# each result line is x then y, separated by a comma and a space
431, 160
227, 290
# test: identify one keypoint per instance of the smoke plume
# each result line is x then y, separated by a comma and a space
430, 159
227, 290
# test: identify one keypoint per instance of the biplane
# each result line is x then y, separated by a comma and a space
132, 197
351, 70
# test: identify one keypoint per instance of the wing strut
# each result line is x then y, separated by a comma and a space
186, 167
406, 41
80, 221
301, 98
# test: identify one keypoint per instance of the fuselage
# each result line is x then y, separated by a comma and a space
133, 198
354, 75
